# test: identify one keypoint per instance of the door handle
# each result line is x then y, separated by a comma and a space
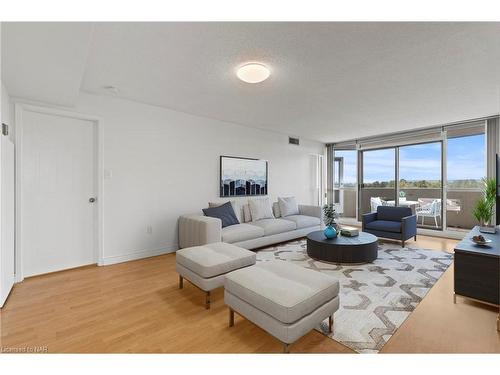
92, 200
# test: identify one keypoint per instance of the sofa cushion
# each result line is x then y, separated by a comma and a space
303, 221
241, 232
281, 289
214, 259
223, 212
392, 213
384, 226
288, 206
261, 209
274, 226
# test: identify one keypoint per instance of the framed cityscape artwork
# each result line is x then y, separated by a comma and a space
242, 176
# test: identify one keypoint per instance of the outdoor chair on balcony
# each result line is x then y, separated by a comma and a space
375, 202
391, 222
432, 209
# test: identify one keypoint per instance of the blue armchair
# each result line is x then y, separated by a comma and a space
391, 222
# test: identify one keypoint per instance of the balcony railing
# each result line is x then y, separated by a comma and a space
460, 203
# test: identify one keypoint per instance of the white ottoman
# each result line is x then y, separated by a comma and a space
205, 266
282, 298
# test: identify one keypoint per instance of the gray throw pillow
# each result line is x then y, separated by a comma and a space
288, 206
224, 212
237, 207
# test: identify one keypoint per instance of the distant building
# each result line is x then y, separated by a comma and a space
242, 187
232, 188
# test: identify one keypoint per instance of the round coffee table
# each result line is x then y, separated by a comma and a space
342, 249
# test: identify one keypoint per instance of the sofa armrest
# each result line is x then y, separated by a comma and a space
195, 230
367, 218
307, 210
409, 226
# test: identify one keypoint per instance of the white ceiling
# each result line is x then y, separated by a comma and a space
45, 61
329, 82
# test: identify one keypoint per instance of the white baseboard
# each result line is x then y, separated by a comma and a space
106, 261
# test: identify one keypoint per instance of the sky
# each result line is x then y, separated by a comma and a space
466, 160
350, 171
466, 157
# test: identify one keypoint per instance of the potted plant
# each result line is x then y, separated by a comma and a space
402, 196
329, 217
485, 207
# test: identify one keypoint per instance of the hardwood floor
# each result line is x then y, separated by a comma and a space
137, 307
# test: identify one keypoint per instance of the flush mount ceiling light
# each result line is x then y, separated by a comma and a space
253, 73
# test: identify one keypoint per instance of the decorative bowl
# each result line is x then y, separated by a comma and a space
481, 243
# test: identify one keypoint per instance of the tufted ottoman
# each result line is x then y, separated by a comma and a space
282, 298
205, 266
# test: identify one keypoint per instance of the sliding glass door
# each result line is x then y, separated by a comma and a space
406, 176
420, 182
378, 173
437, 172
345, 186
466, 167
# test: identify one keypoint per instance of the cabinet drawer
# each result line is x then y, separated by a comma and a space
477, 277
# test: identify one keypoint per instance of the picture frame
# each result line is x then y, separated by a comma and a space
242, 177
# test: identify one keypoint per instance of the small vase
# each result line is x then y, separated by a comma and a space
486, 227
330, 232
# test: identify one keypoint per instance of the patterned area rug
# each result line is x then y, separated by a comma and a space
375, 298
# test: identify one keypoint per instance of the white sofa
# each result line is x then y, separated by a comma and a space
196, 230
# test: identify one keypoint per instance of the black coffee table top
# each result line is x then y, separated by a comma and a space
342, 249
362, 239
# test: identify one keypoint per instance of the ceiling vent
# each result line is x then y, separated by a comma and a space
293, 141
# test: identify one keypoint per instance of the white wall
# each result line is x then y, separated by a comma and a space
166, 163
6, 200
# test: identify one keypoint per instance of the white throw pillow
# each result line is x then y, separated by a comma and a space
260, 209
237, 208
288, 206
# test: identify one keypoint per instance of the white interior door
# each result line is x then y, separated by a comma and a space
58, 179
7, 262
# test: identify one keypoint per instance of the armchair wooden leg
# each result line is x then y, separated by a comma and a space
415, 237
286, 348
207, 301
231, 317
181, 282
330, 324
402, 244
